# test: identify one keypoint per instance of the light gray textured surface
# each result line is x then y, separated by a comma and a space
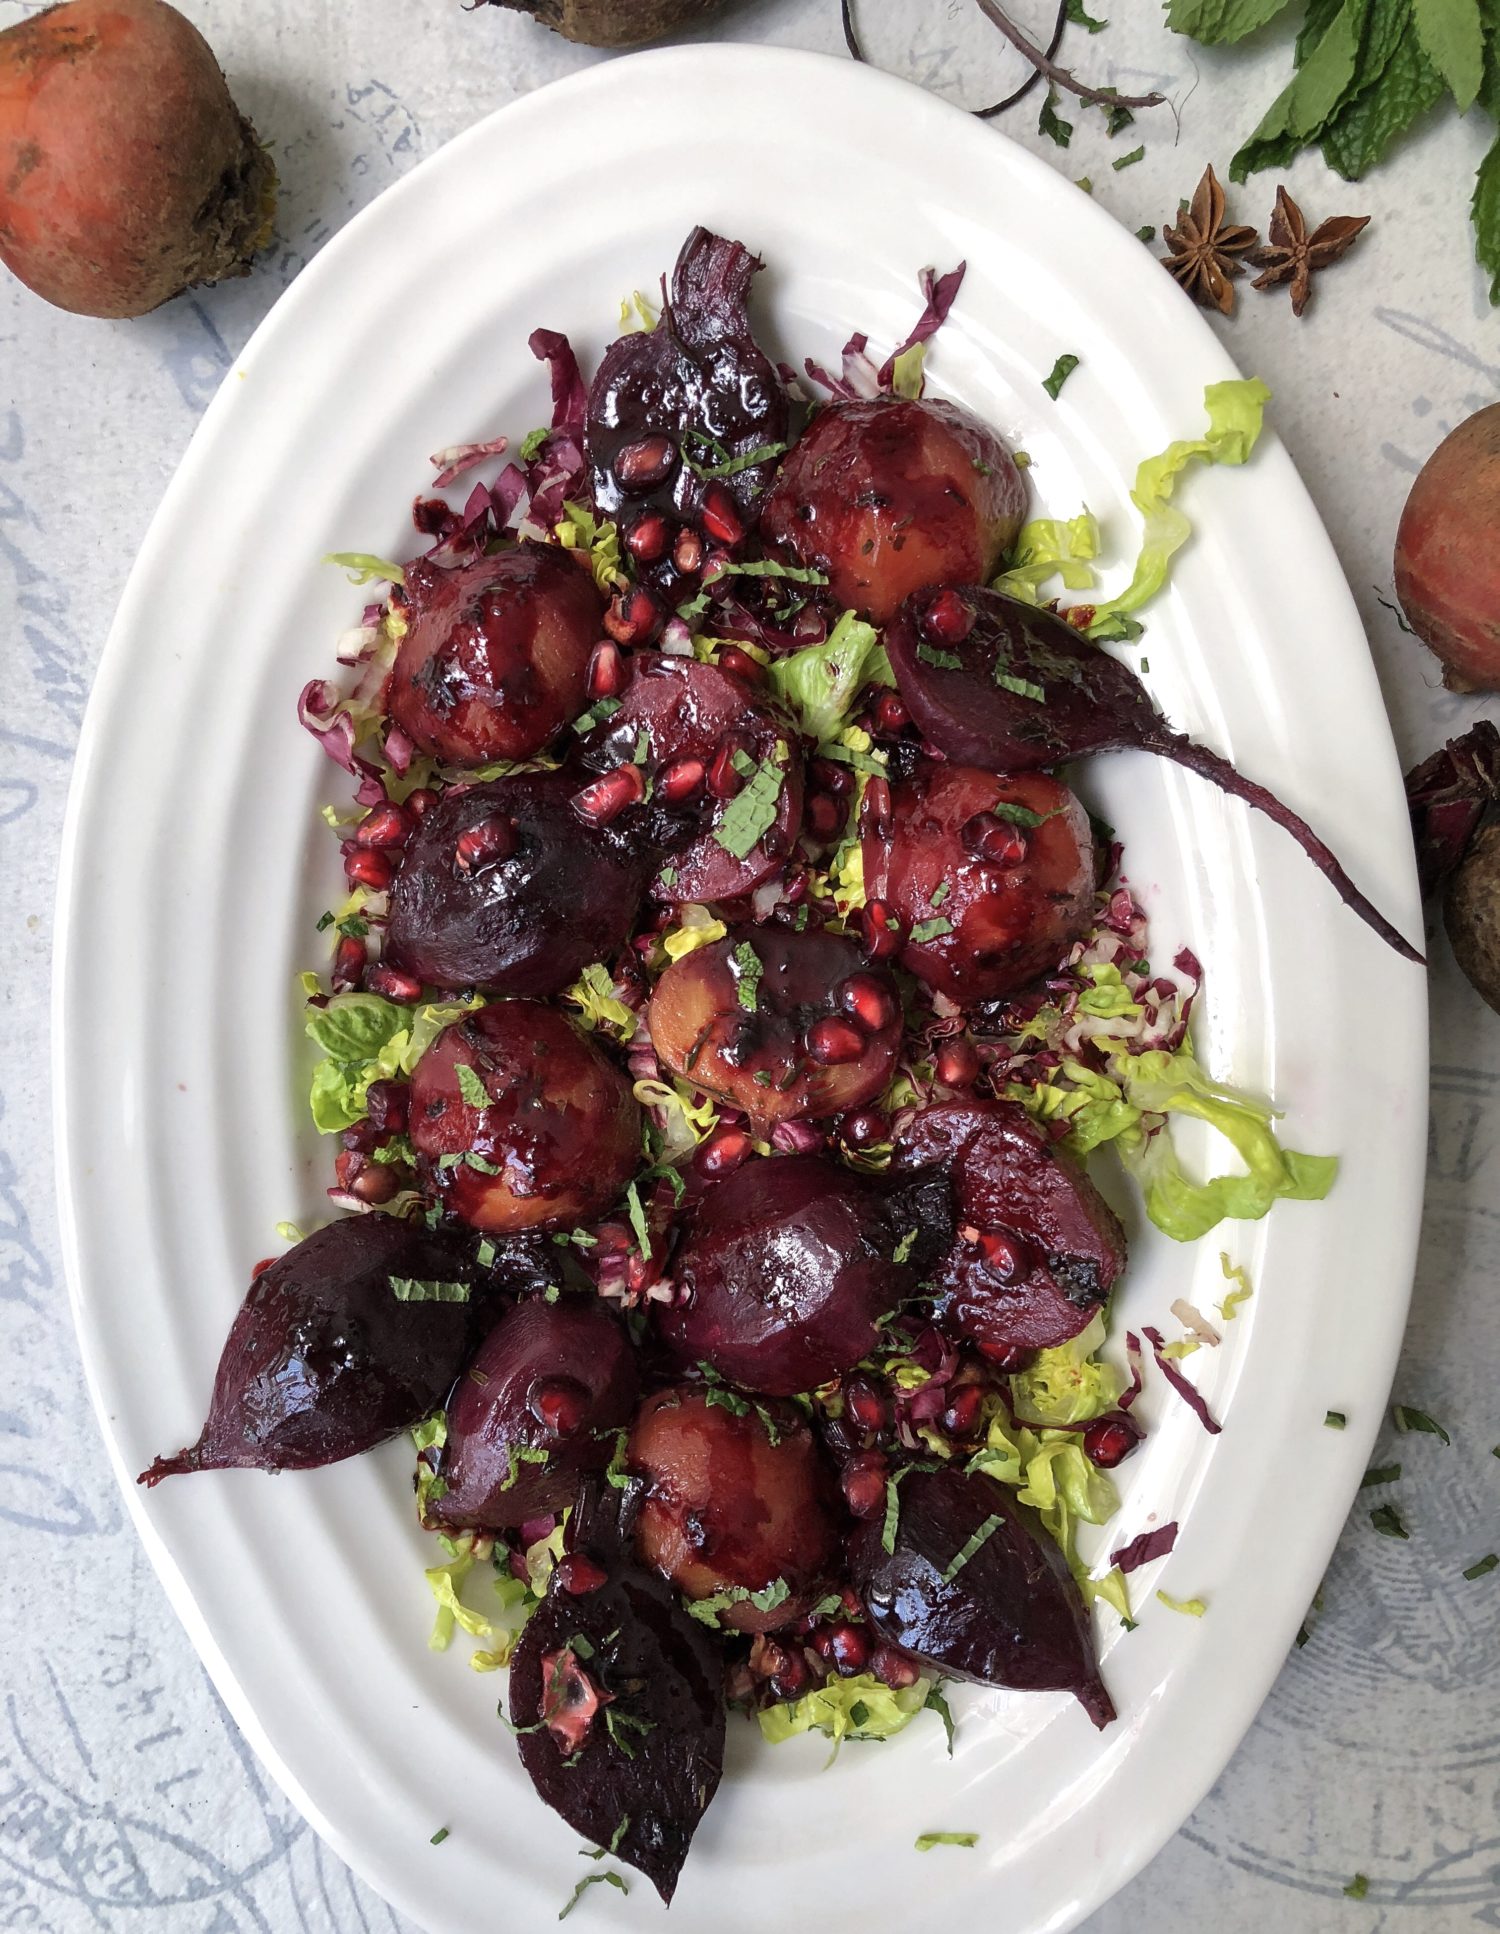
127, 1799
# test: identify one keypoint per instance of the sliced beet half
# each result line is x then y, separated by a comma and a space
973, 1586
996, 682
617, 1697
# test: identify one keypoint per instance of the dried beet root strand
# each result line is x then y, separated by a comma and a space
1448, 795
1016, 95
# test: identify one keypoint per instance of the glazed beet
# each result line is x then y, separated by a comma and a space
1038, 1248
504, 889
327, 1356
698, 386
737, 1501
495, 658
1066, 698
558, 1378
561, 1135
1010, 1615
778, 1023
1012, 894
696, 718
788, 1267
640, 1782
890, 496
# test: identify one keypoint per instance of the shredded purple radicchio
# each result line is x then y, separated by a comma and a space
1188, 1392
1140, 1551
861, 379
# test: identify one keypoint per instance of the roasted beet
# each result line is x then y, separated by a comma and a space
541, 1401
976, 1588
695, 393
738, 1503
778, 1023
503, 888
616, 1694
1061, 698
989, 880
1038, 1248
559, 1137
890, 496
705, 726
789, 1266
353, 1335
495, 658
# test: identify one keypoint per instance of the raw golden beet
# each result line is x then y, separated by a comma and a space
1471, 913
614, 23
1447, 560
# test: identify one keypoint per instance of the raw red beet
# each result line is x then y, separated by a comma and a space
1448, 794
692, 713
637, 1776
789, 1265
495, 658
1010, 1615
1063, 698
1446, 573
738, 1501
1038, 1248
553, 1378
337, 1347
1011, 863
740, 1019
503, 888
890, 496
559, 1138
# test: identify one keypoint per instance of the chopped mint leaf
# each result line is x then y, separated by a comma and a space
439, 1837
1129, 160
325, 921
1336, 1420
481, 1164
931, 929
471, 1087
751, 814
611, 1878
601, 709
743, 764
927, 1841
767, 567
972, 1547
1078, 18
1018, 815
1358, 1887
638, 1221
353, 928
1379, 1474
1051, 123
729, 466
1483, 1568
532, 442
947, 661
415, 1289
940, 892
707, 1610
935, 1702
1387, 1522
1062, 369
905, 1246
1146, 234
1407, 1419
1022, 687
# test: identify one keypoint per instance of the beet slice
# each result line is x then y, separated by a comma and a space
542, 1400
976, 1588
790, 1265
503, 888
353, 1335
1062, 698
783, 1025
1038, 1248
639, 1784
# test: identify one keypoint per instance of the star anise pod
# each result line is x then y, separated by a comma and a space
1204, 246
1292, 255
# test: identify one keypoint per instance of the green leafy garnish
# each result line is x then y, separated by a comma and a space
364, 568
471, 1087
945, 661
1358, 1887
821, 682
1483, 1568
972, 1547
1062, 369
1022, 687
747, 973
415, 1289
1335, 1420
1379, 1474
610, 1878
638, 1221
905, 1246
927, 1841
931, 929
1051, 123
707, 1610
724, 465
856, 1708
767, 567
439, 1837
1193, 1607
937, 1703
1129, 160
1387, 1521
1405, 1418
751, 813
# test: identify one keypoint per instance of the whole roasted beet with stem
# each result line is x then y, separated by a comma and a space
974, 1587
555, 1137
616, 1696
540, 1403
353, 1335
790, 1265
989, 880
892, 495
996, 682
494, 662
780, 1024
1037, 1250
504, 889
738, 1507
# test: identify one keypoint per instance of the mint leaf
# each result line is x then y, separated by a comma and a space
471, 1087
747, 973
1452, 38
1078, 18
751, 813
931, 929
412, 1289
1213, 21
1050, 123
1367, 125
1062, 369
1309, 101
1484, 209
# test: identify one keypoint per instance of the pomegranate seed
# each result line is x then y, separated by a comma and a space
893, 1668
829, 777
417, 802
392, 984
791, 1681
866, 1404
365, 867
260, 1268
649, 537
882, 941
349, 959
1110, 1440
368, 1181
634, 617
824, 817
387, 825
989, 837
1004, 1257
849, 1649
387, 1103
869, 1001
864, 1484
742, 665
721, 515
964, 1406
361, 1137
890, 713
834, 1041
485, 844
723, 1152
875, 808
956, 1063
646, 462
866, 1129
606, 670
608, 797
559, 1405
687, 553
948, 619
680, 780
723, 780
577, 1573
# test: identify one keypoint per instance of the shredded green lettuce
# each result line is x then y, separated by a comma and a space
1069, 1385
821, 682
908, 372
857, 1708
1050, 1471
579, 530
1052, 547
365, 568
593, 994
366, 1038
